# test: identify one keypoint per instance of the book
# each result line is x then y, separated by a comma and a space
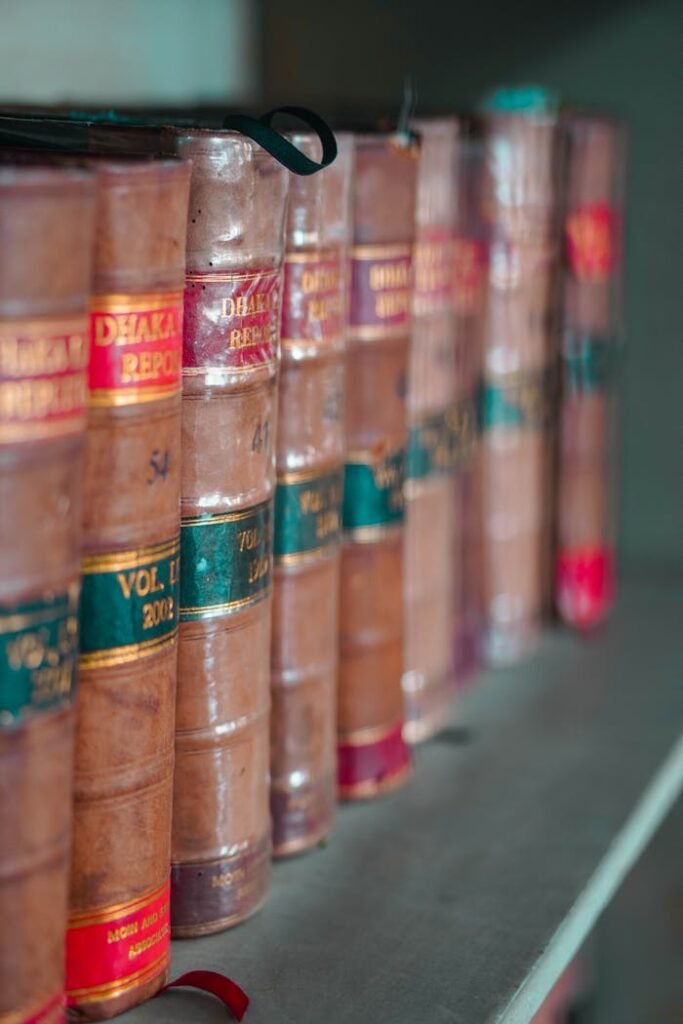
430, 523
221, 842
591, 332
46, 237
519, 357
372, 755
469, 295
118, 938
307, 530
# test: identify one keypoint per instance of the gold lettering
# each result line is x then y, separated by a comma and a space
135, 328
124, 931
385, 276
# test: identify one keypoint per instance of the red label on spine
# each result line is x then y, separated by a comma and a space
232, 320
381, 290
49, 1012
115, 949
313, 298
433, 270
593, 243
135, 347
469, 268
584, 582
367, 767
43, 378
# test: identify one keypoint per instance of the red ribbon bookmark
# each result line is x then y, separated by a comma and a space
230, 994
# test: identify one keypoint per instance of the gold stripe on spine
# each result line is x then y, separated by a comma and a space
107, 397
58, 427
224, 517
124, 655
211, 610
321, 347
378, 332
374, 787
303, 557
56, 1013
23, 621
233, 275
119, 988
118, 561
370, 534
301, 476
315, 256
85, 918
391, 250
140, 303
369, 735
228, 371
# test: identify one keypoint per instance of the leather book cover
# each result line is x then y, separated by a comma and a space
469, 294
372, 755
518, 376
221, 843
307, 534
591, 332
46, 241
118, 939
430, 576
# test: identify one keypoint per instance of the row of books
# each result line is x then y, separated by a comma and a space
281, 455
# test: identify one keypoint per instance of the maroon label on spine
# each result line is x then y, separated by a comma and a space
217, 893
433, 270
584, 584
371, 761
312, 298
232, 320
381, 290
43, 378
469, 269
593, 242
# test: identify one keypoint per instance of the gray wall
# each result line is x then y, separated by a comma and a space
622, 55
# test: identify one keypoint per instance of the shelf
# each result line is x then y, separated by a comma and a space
461, 899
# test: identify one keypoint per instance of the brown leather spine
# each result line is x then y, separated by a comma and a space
371, 754
591, 330
126, 708
471, 258
432, 381
221, 822
518, 367
46, 235
310, 461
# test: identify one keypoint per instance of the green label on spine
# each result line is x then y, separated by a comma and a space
129, 604
430, 448
523, 400
462, 424
373, 492
38, 650
307, 513
588, 366
226, 561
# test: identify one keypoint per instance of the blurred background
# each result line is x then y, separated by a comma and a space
622, 55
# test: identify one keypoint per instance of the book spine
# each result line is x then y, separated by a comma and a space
518, 382
308, 499
430, 464
221, 843
118, 938
586, 509
469, 295
46, 229
372, 755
